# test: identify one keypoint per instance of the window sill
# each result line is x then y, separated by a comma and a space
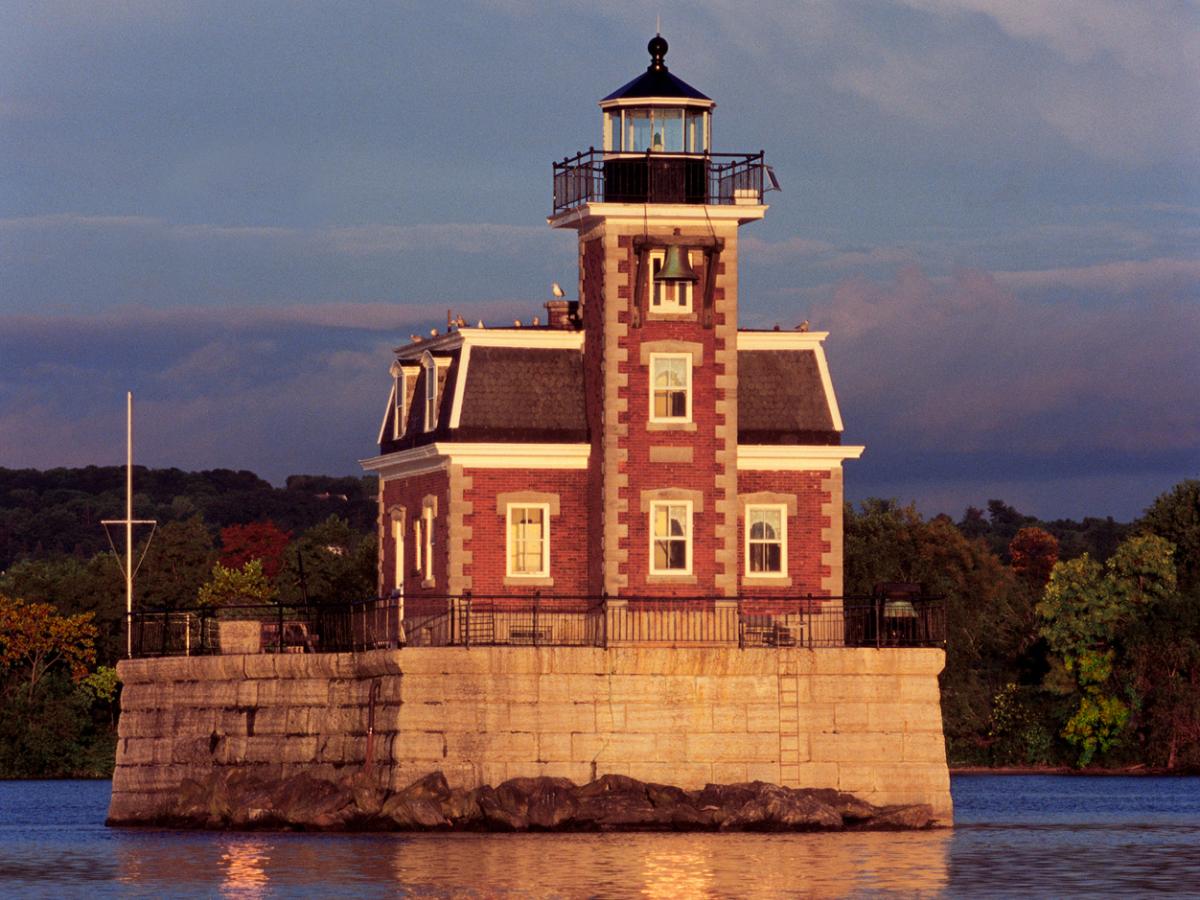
668, 316
670, 426
767, 580
670, 578
528, 581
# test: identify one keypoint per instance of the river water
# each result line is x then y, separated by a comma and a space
1016, 836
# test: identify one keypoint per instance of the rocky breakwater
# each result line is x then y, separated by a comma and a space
238, 799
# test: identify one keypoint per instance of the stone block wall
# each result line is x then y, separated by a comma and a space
864, 721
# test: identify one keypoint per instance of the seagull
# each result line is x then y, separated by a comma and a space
415, 338
516, 323
433, 332
557, 290
460, 322
803, 326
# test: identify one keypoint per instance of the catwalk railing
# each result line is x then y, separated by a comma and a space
468, 620
596, 176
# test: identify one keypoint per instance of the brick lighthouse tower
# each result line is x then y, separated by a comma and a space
658, 215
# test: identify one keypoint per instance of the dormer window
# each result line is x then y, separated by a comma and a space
399, 395
431, 392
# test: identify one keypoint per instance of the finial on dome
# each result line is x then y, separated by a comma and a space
658, 49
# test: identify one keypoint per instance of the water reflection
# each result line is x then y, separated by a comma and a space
244, 865
1016, 837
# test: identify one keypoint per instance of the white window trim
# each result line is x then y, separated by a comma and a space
398, 549
427, 519
399, 397
418, 545
684, 290
687, 358
688, 543
431, 392
783, 542
544, 572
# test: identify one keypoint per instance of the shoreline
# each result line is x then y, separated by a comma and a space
1137, 770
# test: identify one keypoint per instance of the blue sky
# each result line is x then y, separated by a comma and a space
237, 209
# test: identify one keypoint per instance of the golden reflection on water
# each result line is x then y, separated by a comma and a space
677, 865
632, 865
244, 865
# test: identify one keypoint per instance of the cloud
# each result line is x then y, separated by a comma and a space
968, 366
1130, 278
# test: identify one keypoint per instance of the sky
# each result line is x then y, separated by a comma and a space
236, 210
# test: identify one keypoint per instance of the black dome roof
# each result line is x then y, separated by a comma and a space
656, 81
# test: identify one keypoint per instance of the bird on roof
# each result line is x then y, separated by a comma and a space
460, 322
557, 290
433, 332
803, 326
415, 338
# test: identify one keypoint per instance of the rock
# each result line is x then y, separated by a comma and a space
897, 818
849, 807
305, 801
246, 798
776, 808
419, 806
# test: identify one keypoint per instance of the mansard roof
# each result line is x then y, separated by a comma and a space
526, 385
523, 394
782, 399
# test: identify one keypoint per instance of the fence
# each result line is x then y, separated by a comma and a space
554, 621
657, 177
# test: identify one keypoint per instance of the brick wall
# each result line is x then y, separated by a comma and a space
569, 549
410, 493
806, 544
864, 721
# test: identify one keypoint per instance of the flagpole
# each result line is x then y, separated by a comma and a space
129, 523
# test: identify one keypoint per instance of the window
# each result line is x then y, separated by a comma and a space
398, 410
398, 548
529, 540
670, 538
431, 391
669, 297
670, 387
766, 540
427, 517
418, 546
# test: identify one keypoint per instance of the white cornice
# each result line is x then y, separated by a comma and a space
780, 340
794, 458
533, 337
634, 102
431, 457
640, 214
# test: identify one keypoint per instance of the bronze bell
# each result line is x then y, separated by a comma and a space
676, 267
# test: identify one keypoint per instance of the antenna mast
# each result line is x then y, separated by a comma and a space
129, 521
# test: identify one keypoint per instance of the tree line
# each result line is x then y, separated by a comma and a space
1068, 642
62, 591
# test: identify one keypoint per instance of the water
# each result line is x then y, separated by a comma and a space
1017, 836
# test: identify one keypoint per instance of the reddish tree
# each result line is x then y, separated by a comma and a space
1034, 553
263, 541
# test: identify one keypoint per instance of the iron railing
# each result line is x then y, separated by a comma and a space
544, 621
594, 176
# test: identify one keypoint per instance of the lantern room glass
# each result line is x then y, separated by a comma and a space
661, 129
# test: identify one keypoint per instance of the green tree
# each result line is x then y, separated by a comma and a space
179, 560
1176, 516
243, 586
329, 563
1086, 611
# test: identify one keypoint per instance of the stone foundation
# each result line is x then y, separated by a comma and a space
862, 721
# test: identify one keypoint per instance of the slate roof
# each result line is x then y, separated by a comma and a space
781, 399
536, 395
523, 394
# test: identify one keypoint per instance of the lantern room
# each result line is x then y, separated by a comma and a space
657, 112
656, 148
